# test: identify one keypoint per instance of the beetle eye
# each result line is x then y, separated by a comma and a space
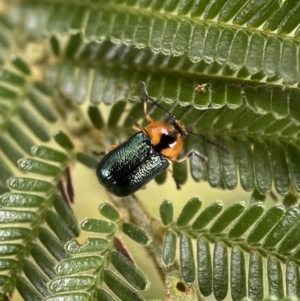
183, 134
179, 127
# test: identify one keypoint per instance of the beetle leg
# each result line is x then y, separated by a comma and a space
189, 154
147, 116
192, 153
135, 125
136, 128
145, 99
111, 147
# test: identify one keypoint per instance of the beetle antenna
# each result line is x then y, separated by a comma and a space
147, 97
209, 141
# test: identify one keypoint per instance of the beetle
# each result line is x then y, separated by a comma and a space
131, 165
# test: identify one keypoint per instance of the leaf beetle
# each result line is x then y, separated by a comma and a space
132, 164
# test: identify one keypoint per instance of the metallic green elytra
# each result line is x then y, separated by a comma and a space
130, 166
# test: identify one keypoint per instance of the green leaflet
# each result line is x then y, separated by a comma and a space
255, 230
170, 35
229, 70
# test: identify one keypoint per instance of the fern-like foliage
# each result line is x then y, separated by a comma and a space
25, 212
84, 275
219, 36
262, 235
29, 204
229, 70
